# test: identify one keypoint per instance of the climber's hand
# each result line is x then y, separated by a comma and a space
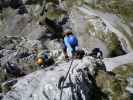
66, 57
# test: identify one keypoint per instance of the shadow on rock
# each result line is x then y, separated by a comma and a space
15, 4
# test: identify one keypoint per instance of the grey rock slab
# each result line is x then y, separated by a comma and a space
43, 84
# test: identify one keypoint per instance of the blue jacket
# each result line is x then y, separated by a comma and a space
69, 47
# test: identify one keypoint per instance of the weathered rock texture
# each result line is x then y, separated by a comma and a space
45, 84
29, 24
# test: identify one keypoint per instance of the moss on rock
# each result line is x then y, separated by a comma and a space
110, 39
121, 7
111, 86
124, 71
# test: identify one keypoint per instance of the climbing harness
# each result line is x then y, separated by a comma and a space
64, 79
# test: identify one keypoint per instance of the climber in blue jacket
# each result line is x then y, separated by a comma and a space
70, 44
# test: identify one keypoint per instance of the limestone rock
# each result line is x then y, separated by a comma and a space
38, 85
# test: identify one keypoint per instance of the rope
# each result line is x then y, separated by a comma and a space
65, 79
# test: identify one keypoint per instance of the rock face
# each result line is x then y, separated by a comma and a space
99, 25
26, 25
17, 56
112, 63
106, 31
45, 84
130, 85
